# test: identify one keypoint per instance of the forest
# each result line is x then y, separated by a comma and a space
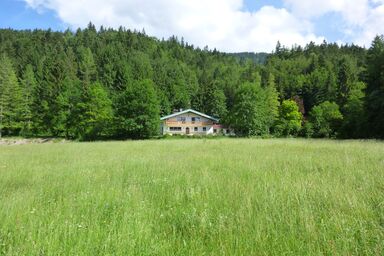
115, 84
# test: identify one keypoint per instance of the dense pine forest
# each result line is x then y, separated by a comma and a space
107, 83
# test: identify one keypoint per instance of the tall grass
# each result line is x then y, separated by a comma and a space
193, 197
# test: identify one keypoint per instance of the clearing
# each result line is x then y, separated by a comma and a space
193, 197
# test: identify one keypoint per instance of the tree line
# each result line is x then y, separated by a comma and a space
107, 83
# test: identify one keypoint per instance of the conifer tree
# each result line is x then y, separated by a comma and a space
28, 85
92, 114
271, 103
10, 98
375, 89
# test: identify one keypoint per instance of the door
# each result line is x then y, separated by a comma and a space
187, 130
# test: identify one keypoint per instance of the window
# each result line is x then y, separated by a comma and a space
227, 131
214, 131
195, 129
175, 129
181, 119
195, 119
204, 129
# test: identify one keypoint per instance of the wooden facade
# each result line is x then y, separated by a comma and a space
191, 122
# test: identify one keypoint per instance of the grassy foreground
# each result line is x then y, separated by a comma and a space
193, 197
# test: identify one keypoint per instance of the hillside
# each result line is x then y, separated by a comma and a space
108, 83
255, 57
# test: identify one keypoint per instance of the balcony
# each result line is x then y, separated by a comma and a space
187, 123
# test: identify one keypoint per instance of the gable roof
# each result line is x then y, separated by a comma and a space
192, 111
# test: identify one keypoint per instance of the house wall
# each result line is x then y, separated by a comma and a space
211, 126
175, 122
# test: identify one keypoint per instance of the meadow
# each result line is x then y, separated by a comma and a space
193, 197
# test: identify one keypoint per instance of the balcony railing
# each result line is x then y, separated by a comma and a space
174, 123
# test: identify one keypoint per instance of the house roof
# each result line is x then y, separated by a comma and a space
187, 111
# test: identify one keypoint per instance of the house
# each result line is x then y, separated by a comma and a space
191, 122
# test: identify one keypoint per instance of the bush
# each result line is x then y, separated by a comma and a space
326, 118
307, 130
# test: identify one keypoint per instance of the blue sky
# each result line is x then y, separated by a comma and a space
228, 25
16, 14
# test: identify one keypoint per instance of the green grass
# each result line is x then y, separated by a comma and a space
193, 197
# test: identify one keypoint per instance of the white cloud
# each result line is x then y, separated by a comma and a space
353, 11
218, 23
363, 19
373, 25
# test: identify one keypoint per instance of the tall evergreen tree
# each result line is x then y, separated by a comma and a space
354, 114
71, 93
87, 66
28, 85
347, 78
271, 103
375, 89
92, 114
214, 101
10, 98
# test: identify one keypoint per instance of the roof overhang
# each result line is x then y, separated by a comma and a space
190, 111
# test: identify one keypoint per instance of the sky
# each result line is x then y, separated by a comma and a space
227, 25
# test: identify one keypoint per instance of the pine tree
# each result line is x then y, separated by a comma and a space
10, 98
214, 100
92, 114
87, 66
347, 78
354, 115
271, 103
28, 84
375, 89
70, 95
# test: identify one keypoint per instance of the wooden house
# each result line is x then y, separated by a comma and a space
192, 122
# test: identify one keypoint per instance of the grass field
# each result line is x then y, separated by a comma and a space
193, 197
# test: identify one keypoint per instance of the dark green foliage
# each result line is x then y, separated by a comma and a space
91, 114
83, 85
10, 99
272, 103
375, 89
87, 66
214, 100
258, 58
325, 119
28, 84
353, 112
255, 109
307, 130
137, 113
347, 78
245, 116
